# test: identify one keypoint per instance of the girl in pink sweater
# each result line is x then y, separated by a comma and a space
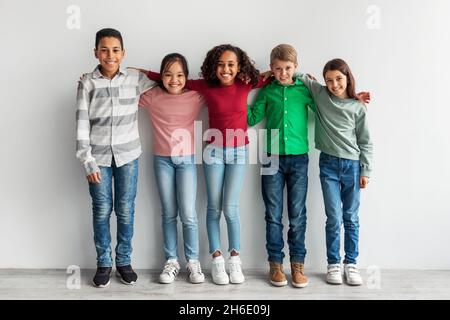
173, 110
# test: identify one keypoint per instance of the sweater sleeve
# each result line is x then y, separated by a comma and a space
145, 101
313, 86
257, 111
144, 83
83, 148
364, 143
198, 85
261, 83
155, 76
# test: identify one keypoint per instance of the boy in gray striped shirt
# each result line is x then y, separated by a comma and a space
108, 147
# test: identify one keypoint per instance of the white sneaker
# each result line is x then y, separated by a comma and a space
352, 275
334, 274
219, 275
170, 271
234, 265
195, 271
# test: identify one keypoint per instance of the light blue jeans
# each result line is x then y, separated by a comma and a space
224, 175
125, 183
340, 187
176, 178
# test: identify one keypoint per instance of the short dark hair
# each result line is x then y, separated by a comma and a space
108, 33
167, 61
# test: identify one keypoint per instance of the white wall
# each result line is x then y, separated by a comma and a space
45, 214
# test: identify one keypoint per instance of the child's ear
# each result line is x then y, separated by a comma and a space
96, 53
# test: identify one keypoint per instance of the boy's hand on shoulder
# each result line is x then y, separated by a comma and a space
266, 75
363, 182
363, 96
83, 76
95, 177
244, 78
311, 77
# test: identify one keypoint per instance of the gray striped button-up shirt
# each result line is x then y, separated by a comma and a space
106, 116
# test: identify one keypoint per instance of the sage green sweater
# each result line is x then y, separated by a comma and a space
341, 126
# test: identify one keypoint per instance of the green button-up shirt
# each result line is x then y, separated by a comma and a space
286, 109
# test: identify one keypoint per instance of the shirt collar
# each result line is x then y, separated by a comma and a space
297, 82
96, 74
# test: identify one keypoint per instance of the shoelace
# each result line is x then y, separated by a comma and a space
352, 269
334, 269
275, 269
298, 268
220, 267
194, 267
127, 269
235, 266
170, 267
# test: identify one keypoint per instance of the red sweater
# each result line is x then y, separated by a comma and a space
227, 109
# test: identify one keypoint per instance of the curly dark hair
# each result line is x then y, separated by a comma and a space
246, 65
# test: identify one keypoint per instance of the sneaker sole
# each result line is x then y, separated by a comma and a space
278, 284
196, 282
101, 285
123, 281
334, 282
355, 284
300, 285
221, 283
237, 282
166, 282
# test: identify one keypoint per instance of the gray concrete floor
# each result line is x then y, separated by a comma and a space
52, 284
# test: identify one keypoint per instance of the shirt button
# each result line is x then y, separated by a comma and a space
285, 125
285, 138
285, 111
285, 98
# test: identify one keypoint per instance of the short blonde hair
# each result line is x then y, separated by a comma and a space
284, 52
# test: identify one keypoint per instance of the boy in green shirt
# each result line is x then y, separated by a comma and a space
285, 103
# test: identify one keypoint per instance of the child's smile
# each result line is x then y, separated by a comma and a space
110, 54
227, 68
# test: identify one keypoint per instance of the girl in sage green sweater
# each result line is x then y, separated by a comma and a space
342, 136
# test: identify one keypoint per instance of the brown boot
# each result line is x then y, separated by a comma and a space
277, 276
299, 280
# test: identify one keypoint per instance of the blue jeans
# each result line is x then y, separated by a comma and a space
224, 175
340, 187
292, 171
176, 178
125, 183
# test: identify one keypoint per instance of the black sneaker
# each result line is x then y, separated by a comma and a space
126, 274
101, 278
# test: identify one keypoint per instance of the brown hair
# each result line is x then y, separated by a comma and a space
211, 61
284, 52
342, 66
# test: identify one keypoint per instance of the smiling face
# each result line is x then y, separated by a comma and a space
109, 53
173, 78
227, 68
336, 83
283, 71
